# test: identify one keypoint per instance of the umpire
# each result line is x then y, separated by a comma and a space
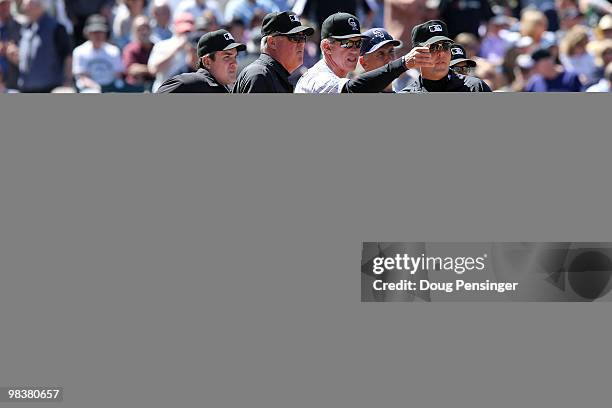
438, 77
217, 67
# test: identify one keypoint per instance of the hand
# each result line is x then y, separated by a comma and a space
418, 57
12, 53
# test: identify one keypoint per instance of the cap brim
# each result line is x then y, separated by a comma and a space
344, 37
471, 62
301, 29
396, 43
96, 28
434, 40
238, 46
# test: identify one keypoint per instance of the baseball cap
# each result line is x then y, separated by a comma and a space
183, 22
429, 32
95, 23
540, 54
605, 23
341, 26
284, 22
458, 54
220, 40
375, 38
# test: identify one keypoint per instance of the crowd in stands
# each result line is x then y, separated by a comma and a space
98, 46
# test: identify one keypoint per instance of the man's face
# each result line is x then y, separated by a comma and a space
162, 15
5, 9
441, 56
345, 53
97, 37
378, 58
546, 68
290, 49
142, 30
32, 9
224, 68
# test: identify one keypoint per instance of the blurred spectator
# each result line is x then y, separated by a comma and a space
160, 24
321, 9
402, 15
122, 25
490, 75
9, 38
169, 55
604, 84
550, 77
547, 7
79, 10
464, 16
574, 56
602, 51
190, 64
206, 22
533, 25
604, 28
522, 72
97, 64
198, 7
44, 50
3, 87
470, 42
495, 44
236, 28
245, 9
136, 55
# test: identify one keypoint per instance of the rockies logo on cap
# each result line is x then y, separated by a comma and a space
456, 51
353, 24
228, 37
435, 28
294, 18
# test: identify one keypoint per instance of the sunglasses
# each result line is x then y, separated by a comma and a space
350, 43
295, 38
440, 47
464, 70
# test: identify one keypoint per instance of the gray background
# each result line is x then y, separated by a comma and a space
190, 251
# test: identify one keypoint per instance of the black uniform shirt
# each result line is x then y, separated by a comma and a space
264, 75
453, 82
200, 81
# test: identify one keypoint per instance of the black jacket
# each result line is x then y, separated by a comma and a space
200, 81
264, 75
453, 82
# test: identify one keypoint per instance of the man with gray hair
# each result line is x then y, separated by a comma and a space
44, 50
282, 52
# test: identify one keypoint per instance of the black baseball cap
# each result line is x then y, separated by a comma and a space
375, 38
430, 32
458, 54
220, 40
284, 22
540, 54
341, 26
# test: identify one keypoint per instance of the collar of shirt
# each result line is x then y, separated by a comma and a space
275, 65
207, 76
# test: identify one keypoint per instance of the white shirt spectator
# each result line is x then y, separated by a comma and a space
158, 52
320, 79
196, 10
602, 86
102, 65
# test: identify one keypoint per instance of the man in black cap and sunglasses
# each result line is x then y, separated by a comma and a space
282, 52
217, 66
432, 38
341, 42
460, 63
